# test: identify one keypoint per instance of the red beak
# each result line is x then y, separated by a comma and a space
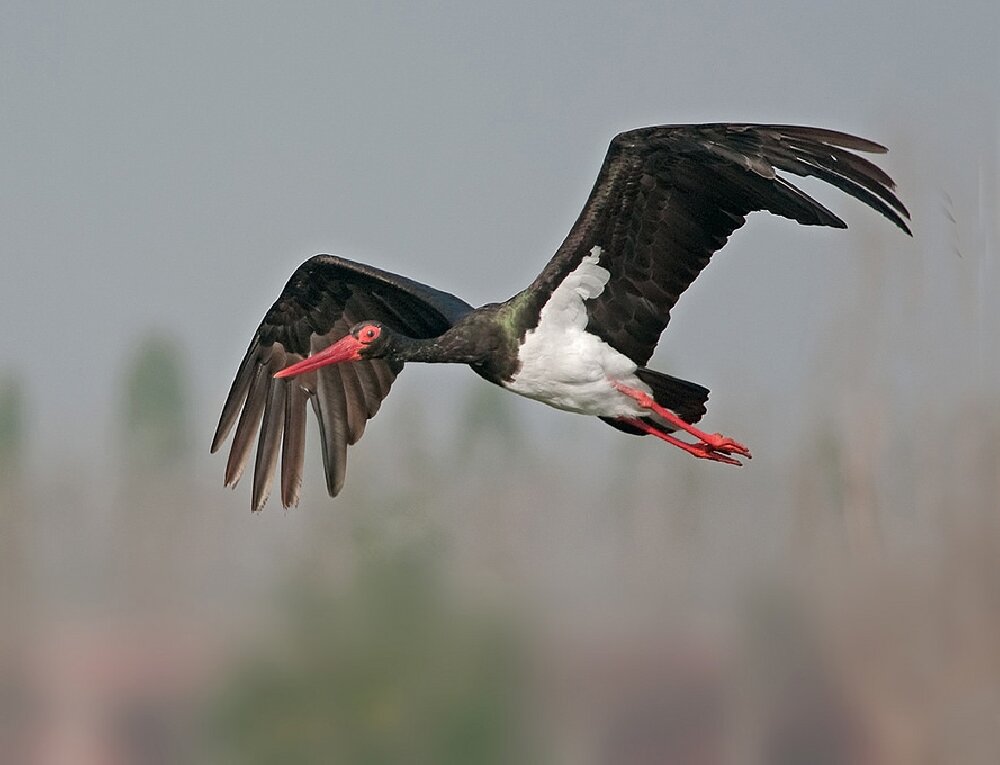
345, 349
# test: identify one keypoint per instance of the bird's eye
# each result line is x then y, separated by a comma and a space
367, 334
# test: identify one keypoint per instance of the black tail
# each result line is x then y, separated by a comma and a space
683, 398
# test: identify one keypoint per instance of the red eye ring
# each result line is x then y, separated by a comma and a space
368, 334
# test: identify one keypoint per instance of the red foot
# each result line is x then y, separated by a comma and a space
701, 450
715, 443
704, 451
720, 443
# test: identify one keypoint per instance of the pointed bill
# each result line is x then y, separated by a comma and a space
345, 349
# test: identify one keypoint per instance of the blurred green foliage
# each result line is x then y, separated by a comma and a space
390, 670
156, 425
12, 426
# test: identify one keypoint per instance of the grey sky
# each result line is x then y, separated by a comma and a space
169, 166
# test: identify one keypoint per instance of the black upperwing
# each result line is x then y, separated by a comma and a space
668, 197
323, 299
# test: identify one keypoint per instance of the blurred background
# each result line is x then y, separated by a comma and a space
498, 582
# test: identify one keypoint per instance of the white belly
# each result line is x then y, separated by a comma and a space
576, 375
564, 366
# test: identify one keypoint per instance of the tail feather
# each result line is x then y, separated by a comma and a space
685, 399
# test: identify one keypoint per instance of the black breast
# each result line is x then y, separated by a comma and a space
492, 341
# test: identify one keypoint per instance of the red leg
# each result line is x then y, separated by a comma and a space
716, 441
702, 450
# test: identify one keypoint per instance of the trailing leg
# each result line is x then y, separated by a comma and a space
715, 442
701, 450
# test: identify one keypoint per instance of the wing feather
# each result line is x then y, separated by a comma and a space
269, 443
237, 396
249, 422
357, 414
331, 401
293, 441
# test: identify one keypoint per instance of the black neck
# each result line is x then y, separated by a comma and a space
450, 348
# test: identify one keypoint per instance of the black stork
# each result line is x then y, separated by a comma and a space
578, 338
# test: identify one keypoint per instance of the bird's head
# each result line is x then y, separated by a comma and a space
366, 340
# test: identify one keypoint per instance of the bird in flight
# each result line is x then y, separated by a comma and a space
577, 338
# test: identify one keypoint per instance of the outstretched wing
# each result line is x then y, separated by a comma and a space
668, 197
323, 299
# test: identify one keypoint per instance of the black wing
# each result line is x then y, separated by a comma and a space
668, 197
324, 298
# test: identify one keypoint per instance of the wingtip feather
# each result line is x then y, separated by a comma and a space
269, 444
293, 445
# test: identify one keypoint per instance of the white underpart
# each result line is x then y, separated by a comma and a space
563, 365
